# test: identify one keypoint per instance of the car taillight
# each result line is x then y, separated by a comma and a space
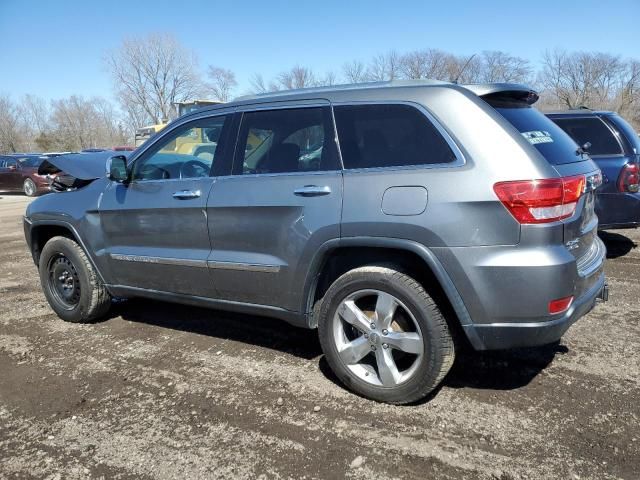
560, 305
541, 201
629, 179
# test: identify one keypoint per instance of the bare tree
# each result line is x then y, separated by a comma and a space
79, 123
464, 68
11, 134
296, 77
499, 66
628, 96
154, 72
35, 113
221, 83
384, 66
429, 63
327, 80
257, 83
355, 71
581, 78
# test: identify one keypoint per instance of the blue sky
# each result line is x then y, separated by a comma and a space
55, 48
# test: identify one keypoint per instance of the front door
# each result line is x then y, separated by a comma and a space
155, 227
283, 201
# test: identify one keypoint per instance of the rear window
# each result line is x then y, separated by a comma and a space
549, 139
592, 130
387, 136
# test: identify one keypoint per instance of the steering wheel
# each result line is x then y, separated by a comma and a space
194, 169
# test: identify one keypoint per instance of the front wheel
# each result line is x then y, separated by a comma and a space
383, 335
70, 283
29, 187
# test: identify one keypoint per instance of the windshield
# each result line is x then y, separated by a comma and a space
549, 139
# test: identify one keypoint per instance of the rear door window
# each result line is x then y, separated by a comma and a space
286, 141
549, 139
389, 135
592, 130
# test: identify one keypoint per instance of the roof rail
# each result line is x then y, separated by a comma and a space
346, 86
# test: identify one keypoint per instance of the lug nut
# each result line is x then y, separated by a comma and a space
384, 332
373, 347
384, 345
373, 325
366, 335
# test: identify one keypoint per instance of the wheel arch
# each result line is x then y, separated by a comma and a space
338, 256
41, 232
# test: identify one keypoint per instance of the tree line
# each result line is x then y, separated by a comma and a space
150, 74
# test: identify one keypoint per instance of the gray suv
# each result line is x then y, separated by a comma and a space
393, 217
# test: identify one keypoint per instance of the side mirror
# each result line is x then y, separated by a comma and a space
117, 169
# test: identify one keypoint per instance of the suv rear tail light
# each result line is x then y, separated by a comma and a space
541, 201
560, 305
629, 179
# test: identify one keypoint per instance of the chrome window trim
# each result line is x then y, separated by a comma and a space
460, 158
281, 174
283, 105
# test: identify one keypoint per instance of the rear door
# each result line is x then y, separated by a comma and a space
282, 202
155, 227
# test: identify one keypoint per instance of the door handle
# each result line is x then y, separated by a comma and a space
186, 194
312, 191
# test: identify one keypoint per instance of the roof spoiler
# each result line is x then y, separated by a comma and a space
513, 92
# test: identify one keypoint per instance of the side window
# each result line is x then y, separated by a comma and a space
288, 140
188, 152
388, 135
592, 130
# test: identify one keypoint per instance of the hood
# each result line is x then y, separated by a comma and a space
84, 166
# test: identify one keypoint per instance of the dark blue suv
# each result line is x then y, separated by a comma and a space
615, 147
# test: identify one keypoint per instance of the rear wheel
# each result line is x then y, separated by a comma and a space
70, 283
383, 335
29, 187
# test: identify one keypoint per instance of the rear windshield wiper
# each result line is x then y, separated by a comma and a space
584, 149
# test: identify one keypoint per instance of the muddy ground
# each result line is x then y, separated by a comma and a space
163, 391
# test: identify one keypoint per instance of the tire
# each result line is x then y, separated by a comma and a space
29, 188
419, 348
70, 283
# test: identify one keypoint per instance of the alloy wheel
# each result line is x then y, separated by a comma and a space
378, 338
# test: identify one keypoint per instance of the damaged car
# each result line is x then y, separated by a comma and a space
393, 217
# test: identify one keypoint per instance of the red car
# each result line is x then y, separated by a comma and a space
19, 173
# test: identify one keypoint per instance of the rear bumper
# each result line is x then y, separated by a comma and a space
496, 336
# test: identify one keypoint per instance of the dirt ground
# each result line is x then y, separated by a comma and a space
164, 391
